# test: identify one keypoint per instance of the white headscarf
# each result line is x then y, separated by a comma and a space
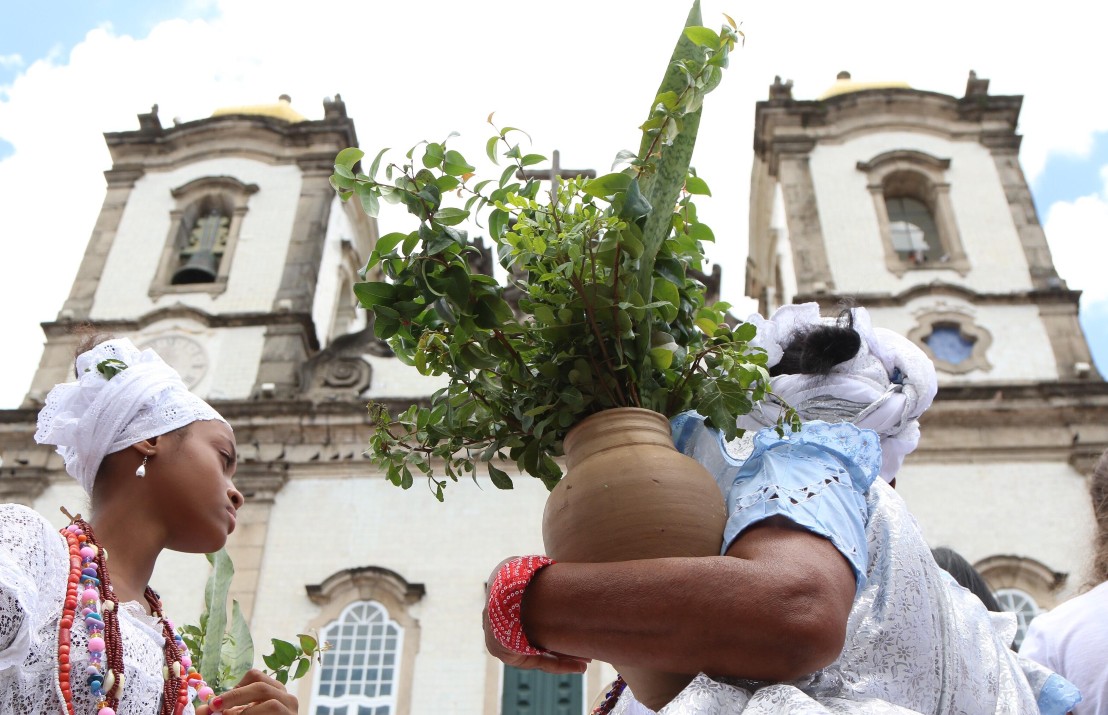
121, 396
885, 387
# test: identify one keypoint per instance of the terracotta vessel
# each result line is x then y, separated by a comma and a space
629, 494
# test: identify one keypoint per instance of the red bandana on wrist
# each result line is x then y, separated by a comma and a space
506, 597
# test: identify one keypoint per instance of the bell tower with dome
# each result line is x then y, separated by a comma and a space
222, 245
913, 204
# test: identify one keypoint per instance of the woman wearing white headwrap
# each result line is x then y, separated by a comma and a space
83, 635
826, 598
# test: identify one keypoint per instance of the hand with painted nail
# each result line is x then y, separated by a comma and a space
257, 693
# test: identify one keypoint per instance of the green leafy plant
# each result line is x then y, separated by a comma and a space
222, 651
601, 308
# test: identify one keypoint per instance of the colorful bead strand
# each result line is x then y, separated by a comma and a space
89, 596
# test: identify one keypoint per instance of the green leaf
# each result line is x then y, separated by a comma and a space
376, 163
455, 164
490, 149
215, 605
238, 651
374, 293
696, 185
349, 157
701, 232
389, 241
635, 205
368, 196
608, 185
344, 172
433, 155
661, 358
308, 644
451, 216
532, 159
284, 651
301, 668
702, 36
457, 284
500, 478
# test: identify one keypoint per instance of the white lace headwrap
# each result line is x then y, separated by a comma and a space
885, 387
96, 416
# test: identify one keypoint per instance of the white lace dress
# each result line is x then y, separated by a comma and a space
34, 568
916, 642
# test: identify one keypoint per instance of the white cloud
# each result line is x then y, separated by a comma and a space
576, 74
11, 61
1078, 235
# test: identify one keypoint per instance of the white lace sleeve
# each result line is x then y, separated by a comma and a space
26, 542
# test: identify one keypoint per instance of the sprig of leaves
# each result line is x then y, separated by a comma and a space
602, 307
111, 367
291, 661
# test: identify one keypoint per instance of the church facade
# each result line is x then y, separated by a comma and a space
222, 246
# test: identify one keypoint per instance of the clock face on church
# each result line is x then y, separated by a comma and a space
183, 354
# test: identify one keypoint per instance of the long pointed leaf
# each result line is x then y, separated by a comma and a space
239, 650
215, 605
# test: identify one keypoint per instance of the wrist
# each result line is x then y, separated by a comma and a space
506, 601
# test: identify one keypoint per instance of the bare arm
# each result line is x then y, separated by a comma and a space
774, 608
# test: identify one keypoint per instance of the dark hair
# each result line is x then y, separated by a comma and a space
1098, 490
815, 350
954, 564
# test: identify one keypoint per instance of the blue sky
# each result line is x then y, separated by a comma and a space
36, 30
73, 69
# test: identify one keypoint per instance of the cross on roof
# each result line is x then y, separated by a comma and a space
555, 170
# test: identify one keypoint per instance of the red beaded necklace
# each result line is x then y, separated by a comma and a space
98, 606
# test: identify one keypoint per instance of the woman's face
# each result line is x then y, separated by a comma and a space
194, 492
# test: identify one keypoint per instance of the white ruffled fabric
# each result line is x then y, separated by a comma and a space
885, 387
34, 570
916, 642
95, 416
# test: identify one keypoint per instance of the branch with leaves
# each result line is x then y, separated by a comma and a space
601, 307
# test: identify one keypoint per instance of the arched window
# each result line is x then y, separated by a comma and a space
204, 229
1022, 586
359, 673
1021, 603
202, 241
914, 234
366, 618
914, 213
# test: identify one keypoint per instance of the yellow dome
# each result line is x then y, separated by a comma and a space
844, 85
281, 109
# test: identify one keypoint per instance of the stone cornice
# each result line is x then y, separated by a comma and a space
1059, 296
59, 328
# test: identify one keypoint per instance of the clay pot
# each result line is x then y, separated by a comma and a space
629, 494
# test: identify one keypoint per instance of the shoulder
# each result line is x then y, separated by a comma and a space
23, 531
841, 446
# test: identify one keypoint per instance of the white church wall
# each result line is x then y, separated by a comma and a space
393, 379
981, 212
786, 270
330, 280
233, 355
1036, 509
258, 261
323, 525
1020, 348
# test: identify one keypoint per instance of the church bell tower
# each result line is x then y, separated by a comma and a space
913, 204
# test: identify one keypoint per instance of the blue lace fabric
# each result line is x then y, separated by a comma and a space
817, 477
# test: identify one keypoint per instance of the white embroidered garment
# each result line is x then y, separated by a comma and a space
916, 642
34, 568
98, 414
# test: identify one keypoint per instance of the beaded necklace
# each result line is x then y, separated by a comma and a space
89, 593
611, 697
